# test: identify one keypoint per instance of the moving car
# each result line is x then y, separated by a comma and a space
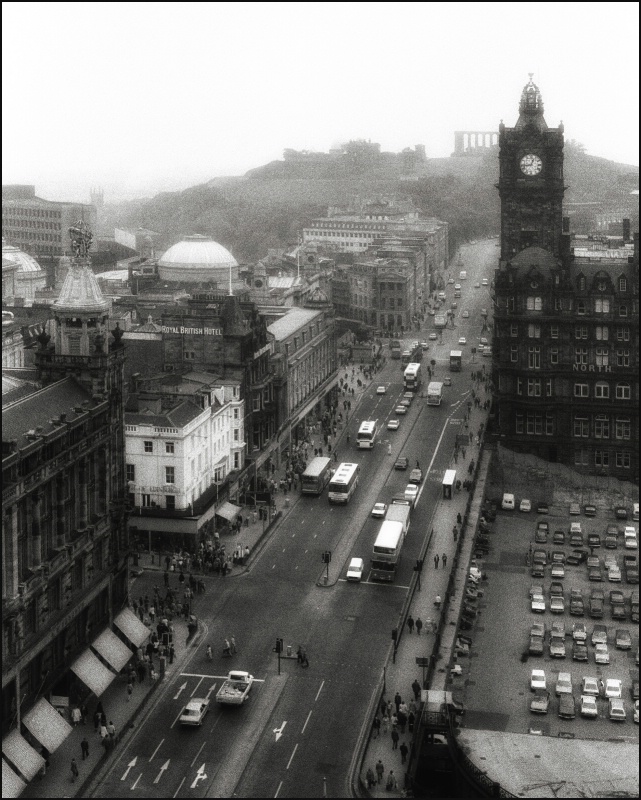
411, 493
402, 462
379, 510
416, 475
400, 409
355, 569
525, 505
616, 710
537, 680
613, 687
393, 425
563, 684
622, 639
540, 702
381, 390
194, 712
601, 654
588, 707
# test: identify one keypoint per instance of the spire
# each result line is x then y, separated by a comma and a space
531, 107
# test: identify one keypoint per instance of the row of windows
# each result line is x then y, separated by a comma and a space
534, 330
14, 225
17, 234
583, 356
622, 391
31, 212
601, 427
601, 458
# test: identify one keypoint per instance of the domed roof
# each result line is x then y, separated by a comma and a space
197, 259
25, 262
198, 251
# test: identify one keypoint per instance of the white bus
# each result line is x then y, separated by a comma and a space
316, 476
412, 377
367, 433
343, 483
387, 550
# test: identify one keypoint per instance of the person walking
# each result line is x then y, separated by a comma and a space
376, 727
74, 770
416, 688
130, 689
380, 770
403, 751
111, 729
232, 645
419, 625
410, 623
84, 747
436, 561
395, 738
391, 782
444, 560
370, 778
397, 701
227, 648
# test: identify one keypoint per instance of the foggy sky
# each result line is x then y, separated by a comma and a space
140, 98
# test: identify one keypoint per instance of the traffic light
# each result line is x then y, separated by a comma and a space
326, 557
279, 646
394, 634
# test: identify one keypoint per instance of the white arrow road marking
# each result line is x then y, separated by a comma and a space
180, 691
201, 775
279, 731
130, 765
164, 768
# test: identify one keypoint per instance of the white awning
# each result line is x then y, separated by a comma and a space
12, 785
46, 724
132, 627
92, 672
22, 755
228, 511
112, 649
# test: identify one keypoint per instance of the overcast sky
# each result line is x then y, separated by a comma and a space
145, 97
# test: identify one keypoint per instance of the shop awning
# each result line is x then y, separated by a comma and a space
22, 755
228, 511
92, 672
112, 649
12, 785
132, 627
46, 724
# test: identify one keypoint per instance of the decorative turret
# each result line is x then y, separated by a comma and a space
531, 107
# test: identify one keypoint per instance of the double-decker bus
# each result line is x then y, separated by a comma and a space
412, 377
456, 360
387, 550
367, 433
343, 483
316, 476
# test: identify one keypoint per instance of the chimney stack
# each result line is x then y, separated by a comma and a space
566, 225
626, 230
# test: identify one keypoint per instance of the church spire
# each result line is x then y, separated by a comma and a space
531, 107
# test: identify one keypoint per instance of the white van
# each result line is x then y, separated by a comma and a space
462, 275
507, 504
355, 569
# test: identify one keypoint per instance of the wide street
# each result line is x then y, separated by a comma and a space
297, 735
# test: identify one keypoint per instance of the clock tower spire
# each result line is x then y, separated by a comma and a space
530, 180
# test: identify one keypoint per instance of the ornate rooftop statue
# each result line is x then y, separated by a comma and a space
81, 237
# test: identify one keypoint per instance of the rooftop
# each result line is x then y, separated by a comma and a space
291, 322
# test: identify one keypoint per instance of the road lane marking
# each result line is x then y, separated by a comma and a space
291, 758
181, 689
179, 787
151, 757
279, 788
306, 721
135, 784
163, 769
201, 775
215, 677
130, 765
320, 689
279, 731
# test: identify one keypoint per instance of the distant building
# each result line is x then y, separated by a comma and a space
27, 279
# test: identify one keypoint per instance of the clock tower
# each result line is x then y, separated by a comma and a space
530, 180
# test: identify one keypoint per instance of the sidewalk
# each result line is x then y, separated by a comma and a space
438, 635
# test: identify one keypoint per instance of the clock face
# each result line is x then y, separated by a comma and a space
531, 164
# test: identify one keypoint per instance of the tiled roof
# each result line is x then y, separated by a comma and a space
178, 417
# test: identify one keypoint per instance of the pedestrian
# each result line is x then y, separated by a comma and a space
111, 729
444, 560
397, 701
410, 623
389, 449
404, 751
416, 688
383, 706
385, 723
103, 732
380, 770
232, 643
376, 727
391, 783
84, 713
395, 738
370, 778
410, 721
419, 625
74, 770
436, 558
130, 690
96, 720
227, 648
84, 746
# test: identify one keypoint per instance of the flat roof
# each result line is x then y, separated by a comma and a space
291, 322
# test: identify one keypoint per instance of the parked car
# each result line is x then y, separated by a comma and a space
563, 684
590, 686
558, 537
558, 556
577, 557
558, 571
589, 510
537, 604
575, 527
599, 634
579, 651
556, 588
525, 505
557, 605
537, 680
595, 574
588, 707
577, 606
616, 710
557, 647
579, 632
601, 654
540, 702
596, 606
621, 512
535, 588
622, 639
613, 687
541, 536
630, 538
614, 574
543, 508
618, 612
508, 502
416, 475
535, 647
539, 557
575, 509
576, 539
538, 629
611, 541
594, 540
567, 707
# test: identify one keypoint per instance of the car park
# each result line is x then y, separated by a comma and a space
355, 569
616, 710
590, 686
599, 634
588, 707
400, 409
577, 557
556, 589
622, 639
576, 539
416, 475
525, 505
579, 632
542, 508
558, 571
579, 651
597, 602
540, 702
557, 647
589, 510
594, 540
557, 605
563, 684
393, 425
537, 680
611, 541
614, 574
537, 604
402, 462
601, 654
411, 493
558, 537
381, 390
575, 509
567, 707
379, 510
194, 712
